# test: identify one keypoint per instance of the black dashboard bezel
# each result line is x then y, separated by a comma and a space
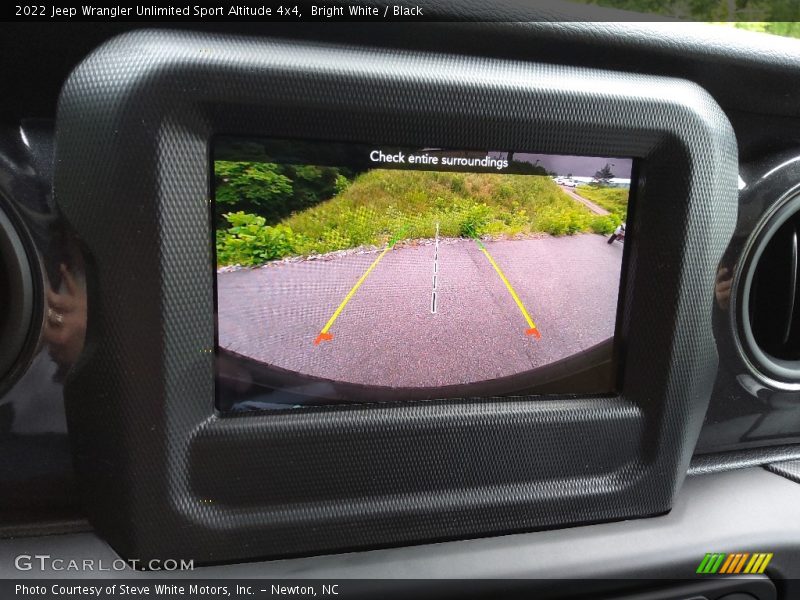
164, 475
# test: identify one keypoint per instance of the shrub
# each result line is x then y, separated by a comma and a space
563, 222
340, 184
605, 224
249, 241
474, 220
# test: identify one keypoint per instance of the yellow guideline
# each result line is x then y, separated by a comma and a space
532, 329
323, 334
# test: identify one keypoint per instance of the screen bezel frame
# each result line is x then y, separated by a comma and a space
165, 475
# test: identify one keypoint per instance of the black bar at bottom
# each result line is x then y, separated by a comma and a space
759, 587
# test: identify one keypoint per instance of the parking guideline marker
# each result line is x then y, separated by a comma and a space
532, 329
324, 335
435, 270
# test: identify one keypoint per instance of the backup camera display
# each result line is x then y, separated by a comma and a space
366, 272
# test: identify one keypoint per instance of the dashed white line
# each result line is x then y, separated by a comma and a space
435, 270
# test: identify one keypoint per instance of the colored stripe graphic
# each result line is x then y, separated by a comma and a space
711, 563
758, 563
324, 336
704, 564
729, 562
764, 564
753, 560
532, 329
740, 563
734, 564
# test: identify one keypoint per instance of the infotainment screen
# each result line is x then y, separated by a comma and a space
369, 272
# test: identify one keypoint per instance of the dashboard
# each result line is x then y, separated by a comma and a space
404, 301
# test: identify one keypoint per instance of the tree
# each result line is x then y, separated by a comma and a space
273, 191
523, 166
251, 187
604, 175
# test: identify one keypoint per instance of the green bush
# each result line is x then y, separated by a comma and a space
249, 241
340, 184
563, 221
474, 220
605, 225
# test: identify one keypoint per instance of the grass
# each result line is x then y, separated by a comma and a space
614, 200
382, 203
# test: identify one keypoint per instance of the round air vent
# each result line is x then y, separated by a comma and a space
16, 296
769, 312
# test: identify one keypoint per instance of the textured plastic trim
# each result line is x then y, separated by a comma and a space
705, 464
166, 476
789, 469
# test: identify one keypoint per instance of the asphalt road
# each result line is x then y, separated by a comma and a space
388, 335
595, 208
